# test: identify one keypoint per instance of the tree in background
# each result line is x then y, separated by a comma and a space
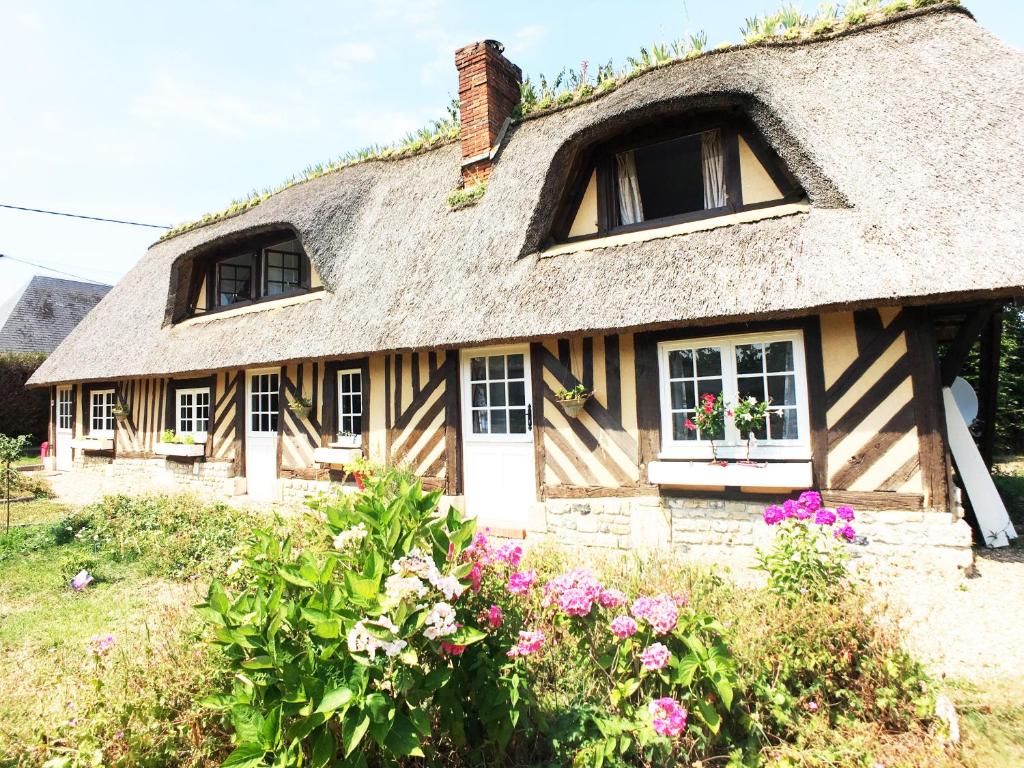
22, 411
1010, 398
11, 449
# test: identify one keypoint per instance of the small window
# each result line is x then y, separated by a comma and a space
498, 395
284, 272
234, 280
767, 367
65, 409
350, 403
194, 412
263, 402
101, 412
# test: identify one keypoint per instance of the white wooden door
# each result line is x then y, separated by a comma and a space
499, 478
262, 413
65, 428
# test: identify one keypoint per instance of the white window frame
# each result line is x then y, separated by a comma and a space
96, 411
342, 398
65, 409
468, 409
199, 436
733, 446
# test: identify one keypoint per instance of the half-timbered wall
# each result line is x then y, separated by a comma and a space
228, 397
597, 449
300, 435
873, 442
145, 400
420, 418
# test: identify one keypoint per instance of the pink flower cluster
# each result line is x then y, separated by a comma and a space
100, 645
519, 582
655, 656
530, 641
661, 612
623, 627
483, 554
809, 507
574, 593
669, 717
495, 617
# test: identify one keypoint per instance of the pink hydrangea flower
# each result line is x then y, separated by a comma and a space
509, 553
846, 532
825, 517
661, 612
519, 582
574, 592
810, 500
790, 508
611, 598
669, 718
773, 514
845, 513
655, 656
495, 617
530, 641
623, 626
475, 575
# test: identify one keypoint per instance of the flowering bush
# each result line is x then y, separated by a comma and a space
808, 557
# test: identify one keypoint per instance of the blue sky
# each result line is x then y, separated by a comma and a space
160, 112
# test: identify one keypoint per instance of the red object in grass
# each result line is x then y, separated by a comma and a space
359, 480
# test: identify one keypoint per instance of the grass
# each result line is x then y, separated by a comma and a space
1009, 480
991, 721
28, 459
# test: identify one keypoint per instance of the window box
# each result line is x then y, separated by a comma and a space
683, 474
179, 449
348, 441
93, 443
336, 456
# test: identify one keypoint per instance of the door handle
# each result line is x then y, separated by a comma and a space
529, 417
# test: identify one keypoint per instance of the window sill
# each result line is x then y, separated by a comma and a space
355, 442
336, 457
93, 443
656, 233
688, 474
263, 305
179, 449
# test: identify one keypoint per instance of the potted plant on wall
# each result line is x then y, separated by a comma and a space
573, 400
347, 440
120, 411
362, 469
709, 420
749, 416
300, 406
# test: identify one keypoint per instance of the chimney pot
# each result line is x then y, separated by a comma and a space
489, 91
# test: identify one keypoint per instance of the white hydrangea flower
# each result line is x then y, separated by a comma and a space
361, 640
448, 586
397, 588
440, 622
350, 537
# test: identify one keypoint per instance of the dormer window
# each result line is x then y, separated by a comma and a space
675, 172
259, 269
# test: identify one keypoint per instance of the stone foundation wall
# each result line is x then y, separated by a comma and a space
159, 473
728, 533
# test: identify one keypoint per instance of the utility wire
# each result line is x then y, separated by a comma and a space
50, 269
80, 216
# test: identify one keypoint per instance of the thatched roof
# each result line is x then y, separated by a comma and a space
44, 311
905, 135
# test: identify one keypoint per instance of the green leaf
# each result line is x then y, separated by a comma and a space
218, 599
335, 699
258, 662
361, 587
686, 669
247, 722
724, 690
420, 721
219, 701
353, 736
378, 705
710, 715
328, 629
403, 740
437, 679
294, 578
246, 755
467, 636
323, 749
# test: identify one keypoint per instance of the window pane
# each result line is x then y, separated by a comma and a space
356, 427
516, 393
679, 391
780, 356
515, 366
670, 177
498, 422
517, 421
480, 422
477, 369
680, 363
679, 430
749, 358
709, 361
706, 386
496, 367
782, 389
497, 393
479, 395
751, 386
783, 424
718, 434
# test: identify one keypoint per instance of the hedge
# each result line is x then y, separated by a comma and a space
22, 411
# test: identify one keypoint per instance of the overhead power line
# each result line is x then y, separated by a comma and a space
50, 269
81, 216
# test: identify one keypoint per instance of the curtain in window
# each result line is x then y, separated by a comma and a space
631, 209
714, 170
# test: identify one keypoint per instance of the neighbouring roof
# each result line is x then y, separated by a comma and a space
904, 134
40, 315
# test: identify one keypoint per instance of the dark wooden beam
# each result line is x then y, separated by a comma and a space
929, 411
956, 355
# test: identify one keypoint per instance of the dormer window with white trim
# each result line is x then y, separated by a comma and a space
672, 173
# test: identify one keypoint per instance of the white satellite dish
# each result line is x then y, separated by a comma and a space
966, 399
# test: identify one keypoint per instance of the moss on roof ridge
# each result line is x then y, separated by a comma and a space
785, 28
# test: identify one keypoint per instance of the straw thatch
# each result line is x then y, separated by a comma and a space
906, 137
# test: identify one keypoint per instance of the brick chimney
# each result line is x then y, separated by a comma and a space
488, 92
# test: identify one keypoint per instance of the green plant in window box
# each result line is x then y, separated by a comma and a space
300, 406
168, 436
189, 440
749, 416
573, 400
709, 420
120, 411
